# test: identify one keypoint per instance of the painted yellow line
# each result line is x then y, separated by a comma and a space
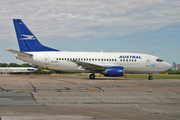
91, 89
94, 112
68, 82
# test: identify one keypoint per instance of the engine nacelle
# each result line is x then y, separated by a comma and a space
114, 71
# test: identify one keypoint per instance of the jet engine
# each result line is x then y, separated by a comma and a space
115, 71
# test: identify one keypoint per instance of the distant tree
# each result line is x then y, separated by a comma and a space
14, 65
26, 65
3, 64
176, 72
171, 72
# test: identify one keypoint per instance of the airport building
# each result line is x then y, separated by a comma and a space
178, 67
174, 66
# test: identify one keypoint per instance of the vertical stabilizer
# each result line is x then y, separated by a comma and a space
27, 41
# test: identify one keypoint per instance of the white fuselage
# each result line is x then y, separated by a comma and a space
62, 60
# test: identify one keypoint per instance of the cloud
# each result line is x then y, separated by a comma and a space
88, 18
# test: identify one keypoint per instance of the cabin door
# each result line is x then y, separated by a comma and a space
46, 59
148, 61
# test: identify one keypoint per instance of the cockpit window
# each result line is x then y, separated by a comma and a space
159, 60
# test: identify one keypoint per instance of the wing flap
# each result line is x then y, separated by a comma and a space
89, 66
19, 53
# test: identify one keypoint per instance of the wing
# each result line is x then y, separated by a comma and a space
89, 66
19, 53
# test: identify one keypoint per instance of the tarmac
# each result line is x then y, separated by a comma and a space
47, 97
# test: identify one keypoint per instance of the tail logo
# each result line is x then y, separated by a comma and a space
28, 37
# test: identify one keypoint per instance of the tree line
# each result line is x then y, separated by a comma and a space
171, 72
15, 65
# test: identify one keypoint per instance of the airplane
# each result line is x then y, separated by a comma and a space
17, 69
111, 64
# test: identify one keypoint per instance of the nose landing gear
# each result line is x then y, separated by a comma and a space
150, 77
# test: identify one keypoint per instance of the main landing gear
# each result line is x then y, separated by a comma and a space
150, 77
92, 76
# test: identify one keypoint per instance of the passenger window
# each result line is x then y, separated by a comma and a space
59, 58
126, 60
64, 58
89, 59
95, 59
112, 59
115, 60
56, 58
101, 59
135, 60
92, 59
104, 59
123, 59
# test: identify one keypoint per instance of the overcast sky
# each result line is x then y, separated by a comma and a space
138, 26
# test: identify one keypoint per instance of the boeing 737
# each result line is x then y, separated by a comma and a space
107, 63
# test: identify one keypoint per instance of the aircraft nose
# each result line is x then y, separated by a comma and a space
167, 66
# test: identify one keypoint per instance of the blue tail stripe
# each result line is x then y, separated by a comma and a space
34, 66
27, 41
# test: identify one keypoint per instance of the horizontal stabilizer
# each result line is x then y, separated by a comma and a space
18, 53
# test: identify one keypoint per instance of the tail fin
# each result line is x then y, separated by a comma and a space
27, 41
34, 66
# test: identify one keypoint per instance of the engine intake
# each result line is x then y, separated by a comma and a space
114, 71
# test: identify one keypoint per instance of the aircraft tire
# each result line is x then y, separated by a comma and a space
92, 76
150, 78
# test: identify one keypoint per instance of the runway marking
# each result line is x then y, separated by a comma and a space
136, 105
68, 82
91, 89
94, 112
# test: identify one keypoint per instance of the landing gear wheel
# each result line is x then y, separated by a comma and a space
92, 76
150, 77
